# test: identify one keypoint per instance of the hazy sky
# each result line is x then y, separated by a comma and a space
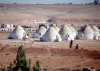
45, 1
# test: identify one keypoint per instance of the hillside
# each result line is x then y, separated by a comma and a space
26, 14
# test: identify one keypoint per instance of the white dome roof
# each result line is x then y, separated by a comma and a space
57, 28
88, 32
66, 33
40, 32
51, 35
96, 30
73, 30
18, 33
65, 30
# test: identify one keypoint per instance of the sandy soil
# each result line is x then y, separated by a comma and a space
72, 14
53, 58
52, 55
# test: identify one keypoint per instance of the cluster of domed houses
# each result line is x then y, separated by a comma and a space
55, 34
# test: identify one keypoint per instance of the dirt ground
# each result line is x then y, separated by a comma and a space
52, 55
27, 14
53, 58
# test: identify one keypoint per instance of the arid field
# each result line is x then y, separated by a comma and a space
26, 14
52, 55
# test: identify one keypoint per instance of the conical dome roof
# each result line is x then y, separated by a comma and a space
51, 35
65, 30
18, 29
96, 30
73, 30
66, 33
18, 33
40, 32
57, 28
88, 32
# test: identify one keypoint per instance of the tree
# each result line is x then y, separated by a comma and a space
37, 66
21, 63
10, 68
71, 44
96, 2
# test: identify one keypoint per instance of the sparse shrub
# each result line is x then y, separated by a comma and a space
96, 2
10, 68
21, 64
37, 66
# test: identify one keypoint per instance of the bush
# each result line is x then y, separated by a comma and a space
37, 66
96, 2
10, 68
20, 63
